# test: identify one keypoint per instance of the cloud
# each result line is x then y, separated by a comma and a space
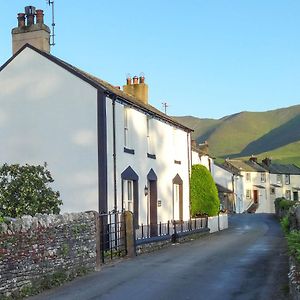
3, 118
84, 178
84, 138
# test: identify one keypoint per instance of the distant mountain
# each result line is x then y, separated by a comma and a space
274, 133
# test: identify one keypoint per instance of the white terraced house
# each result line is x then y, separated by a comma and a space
107, 148
253, 187
284, 180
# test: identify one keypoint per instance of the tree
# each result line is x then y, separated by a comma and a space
204, 193
25, 190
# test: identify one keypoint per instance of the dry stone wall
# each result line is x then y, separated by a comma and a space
34, 247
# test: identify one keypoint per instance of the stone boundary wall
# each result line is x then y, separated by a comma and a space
146, 247
34, 247
218, 223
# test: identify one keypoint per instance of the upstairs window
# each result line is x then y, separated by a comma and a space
176, 145
263, 177
279, 178
287, 179
248, 176
149, 136
126, 127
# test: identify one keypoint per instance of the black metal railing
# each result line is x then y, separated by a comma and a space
112, 236
190, 225
153, 230
170, 228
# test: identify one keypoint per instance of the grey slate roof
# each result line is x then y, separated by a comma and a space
282, 169
245, 165
222, 189
234, 171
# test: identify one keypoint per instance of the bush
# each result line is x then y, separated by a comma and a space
204, 193
285, 224
285, 204
293, 239
25, 190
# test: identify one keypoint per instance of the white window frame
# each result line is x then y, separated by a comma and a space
279, 178
126, 127
128, 193
248, 176
263, 177
288, 194
287, 179
248, 194
272, 191
149, 135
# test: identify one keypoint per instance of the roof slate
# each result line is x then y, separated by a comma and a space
222, 189
282, 169
245, 165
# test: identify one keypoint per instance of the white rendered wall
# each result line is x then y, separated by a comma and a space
231, 182
295, 184
168, 145
217, 223
49, 115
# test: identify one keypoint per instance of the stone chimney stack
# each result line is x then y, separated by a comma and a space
267, 161
253, 158
35, 33
137, 88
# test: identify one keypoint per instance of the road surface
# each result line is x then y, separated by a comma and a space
247, 261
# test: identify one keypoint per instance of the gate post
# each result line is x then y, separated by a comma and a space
98, 242
130, 234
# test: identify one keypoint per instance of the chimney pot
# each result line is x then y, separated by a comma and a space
142, 79
128, 80
253, 158
21, 20
135, 80
39, 16
30, 13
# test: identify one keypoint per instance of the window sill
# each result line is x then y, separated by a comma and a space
129, 151
153, 156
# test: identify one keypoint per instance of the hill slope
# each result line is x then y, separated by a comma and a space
248, 133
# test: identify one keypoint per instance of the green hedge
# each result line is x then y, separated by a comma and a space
204, 193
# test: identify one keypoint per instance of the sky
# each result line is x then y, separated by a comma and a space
205, 58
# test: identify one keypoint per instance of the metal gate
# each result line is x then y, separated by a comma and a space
112, 236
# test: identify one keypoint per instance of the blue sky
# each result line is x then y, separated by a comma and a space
205, 58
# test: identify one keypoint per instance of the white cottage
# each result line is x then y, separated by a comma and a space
254, 185
284, 180
107, 149
230, 179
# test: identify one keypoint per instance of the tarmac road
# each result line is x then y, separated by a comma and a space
247, 261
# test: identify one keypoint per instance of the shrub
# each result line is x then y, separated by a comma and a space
293, 239
25, 190
285, 204
285, 224
204, 193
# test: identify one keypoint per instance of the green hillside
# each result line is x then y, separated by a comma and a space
276, 132
288, 154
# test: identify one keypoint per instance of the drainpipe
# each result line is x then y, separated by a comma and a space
232, 182
114, 153
189, 151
